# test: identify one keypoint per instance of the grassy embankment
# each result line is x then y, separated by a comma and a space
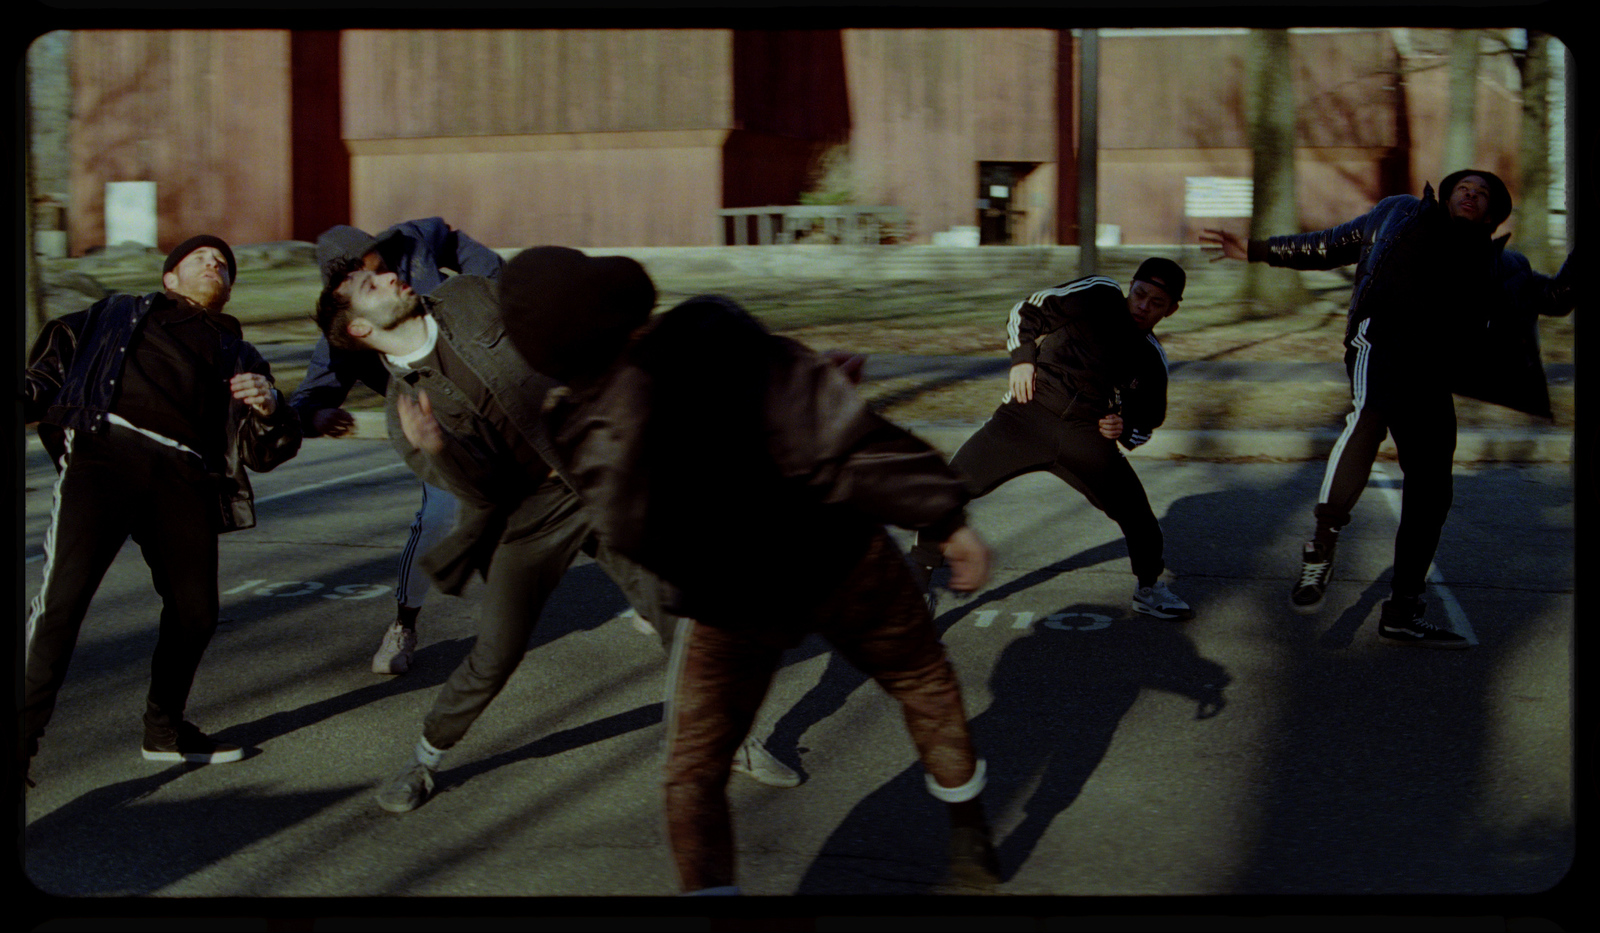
966, 317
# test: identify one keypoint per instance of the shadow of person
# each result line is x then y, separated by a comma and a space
1342, 633
1058, 693
839, 679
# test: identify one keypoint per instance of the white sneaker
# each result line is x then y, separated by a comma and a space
1159, 601
394, 655
638, 622
753, 759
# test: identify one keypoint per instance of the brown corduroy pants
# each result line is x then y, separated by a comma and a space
878, 621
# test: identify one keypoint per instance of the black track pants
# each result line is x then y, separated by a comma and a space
1026, 438
112, 487
1421, 416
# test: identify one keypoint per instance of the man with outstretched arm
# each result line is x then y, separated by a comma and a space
1438, 305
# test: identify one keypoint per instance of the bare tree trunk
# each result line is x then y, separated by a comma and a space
1461, 128
1275, 209
1533, 157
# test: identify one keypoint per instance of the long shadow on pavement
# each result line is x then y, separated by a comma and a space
1058, 696
114, 841
840, 679
1387, 774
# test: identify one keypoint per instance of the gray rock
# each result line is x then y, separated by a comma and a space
275, 254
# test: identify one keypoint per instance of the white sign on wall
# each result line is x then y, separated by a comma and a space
1214, 196
131, 213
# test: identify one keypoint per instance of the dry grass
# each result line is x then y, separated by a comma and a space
965, 317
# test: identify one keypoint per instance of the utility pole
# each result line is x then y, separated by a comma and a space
1089, 152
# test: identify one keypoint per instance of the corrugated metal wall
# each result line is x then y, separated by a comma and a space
638, 137
581, 137
204, 114
927, 105
1174, 107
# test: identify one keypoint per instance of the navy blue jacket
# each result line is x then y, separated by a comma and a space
1494, 356
75, 372
416, 251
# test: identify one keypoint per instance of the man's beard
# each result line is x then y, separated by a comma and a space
410, 312
210, 294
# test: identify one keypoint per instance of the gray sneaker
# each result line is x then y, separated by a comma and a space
1159, 601
753, 759
408, 791
395, 652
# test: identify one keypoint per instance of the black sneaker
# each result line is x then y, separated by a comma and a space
190, 744
1401, 623
922, 574
1316, 566
974, 868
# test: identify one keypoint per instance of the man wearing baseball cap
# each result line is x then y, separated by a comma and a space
1087, 373
1438, 306
421, 253
152, 408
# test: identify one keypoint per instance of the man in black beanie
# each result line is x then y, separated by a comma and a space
152, 409
684, 435
1087, 373
464, 412
1438, 305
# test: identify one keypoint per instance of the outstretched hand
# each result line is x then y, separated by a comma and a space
849, 364
418, 424
1230, 245
968, 559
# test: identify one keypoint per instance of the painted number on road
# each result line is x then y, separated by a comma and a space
1094, 620
307, 587
1066, 621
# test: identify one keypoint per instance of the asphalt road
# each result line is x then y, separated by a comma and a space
1248, 751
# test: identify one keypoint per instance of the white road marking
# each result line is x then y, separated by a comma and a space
331, 482
297, 491
1452, 608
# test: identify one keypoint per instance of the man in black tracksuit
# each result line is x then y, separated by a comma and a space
1437, 306
1087, 373
152, 409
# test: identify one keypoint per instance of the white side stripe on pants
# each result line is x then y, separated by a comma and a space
1358, 399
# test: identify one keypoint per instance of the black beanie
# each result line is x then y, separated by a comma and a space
1499, 195
195, 242
1162, 273
569, 314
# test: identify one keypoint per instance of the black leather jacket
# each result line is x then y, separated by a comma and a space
75, 371
1494, 355
708, 427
